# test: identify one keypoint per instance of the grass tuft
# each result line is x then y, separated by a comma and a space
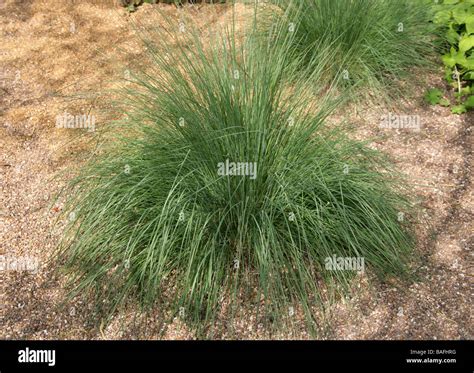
376, 44
155, 220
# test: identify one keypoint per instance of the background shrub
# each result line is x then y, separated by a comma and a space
455, 18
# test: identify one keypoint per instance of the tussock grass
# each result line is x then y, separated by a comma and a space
156, 222
377, 44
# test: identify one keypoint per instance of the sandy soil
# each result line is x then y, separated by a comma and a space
51, 50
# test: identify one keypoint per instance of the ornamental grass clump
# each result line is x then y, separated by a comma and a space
377, 44
224, 183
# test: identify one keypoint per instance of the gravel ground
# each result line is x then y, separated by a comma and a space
50, 50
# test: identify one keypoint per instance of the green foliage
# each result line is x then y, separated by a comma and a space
155, 221
469, 103
434, 96
456, 19
459, 109
375, 43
